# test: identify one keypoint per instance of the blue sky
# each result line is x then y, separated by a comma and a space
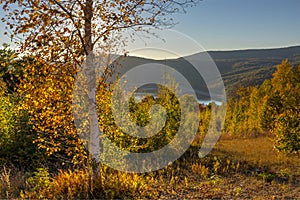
237, 24
242, 24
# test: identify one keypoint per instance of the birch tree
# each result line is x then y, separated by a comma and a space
61, 34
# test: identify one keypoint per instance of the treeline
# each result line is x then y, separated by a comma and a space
273, 107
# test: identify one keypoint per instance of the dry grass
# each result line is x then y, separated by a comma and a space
259, 151
237, 168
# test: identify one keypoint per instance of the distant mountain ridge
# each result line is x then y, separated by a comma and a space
237, 67
282, 52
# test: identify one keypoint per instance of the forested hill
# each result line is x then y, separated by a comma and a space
251, 67
238, 67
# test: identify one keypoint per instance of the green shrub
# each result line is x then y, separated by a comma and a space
16, 136
287, 131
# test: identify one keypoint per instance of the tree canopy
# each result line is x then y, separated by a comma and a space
60, 34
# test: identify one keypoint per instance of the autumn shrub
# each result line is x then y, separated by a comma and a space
37, 185
7, 125
283, 107
116, 184
287, 131
79, 184
16, 136
65, 185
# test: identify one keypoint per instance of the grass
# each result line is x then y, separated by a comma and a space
259, 151
236, 168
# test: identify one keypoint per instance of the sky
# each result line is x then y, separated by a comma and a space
242, 24
234, 24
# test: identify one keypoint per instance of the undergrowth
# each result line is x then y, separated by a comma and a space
224, 173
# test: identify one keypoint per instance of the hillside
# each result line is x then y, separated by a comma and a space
251, 67
238, 67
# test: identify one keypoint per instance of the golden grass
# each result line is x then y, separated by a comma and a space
259, 151
243, 168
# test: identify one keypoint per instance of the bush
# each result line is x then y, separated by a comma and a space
110, 184
287, 131
16, 136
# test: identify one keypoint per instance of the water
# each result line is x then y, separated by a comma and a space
139, 96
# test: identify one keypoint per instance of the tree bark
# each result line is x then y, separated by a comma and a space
94, 132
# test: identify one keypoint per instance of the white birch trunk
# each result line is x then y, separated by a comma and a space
93, 145
94, 131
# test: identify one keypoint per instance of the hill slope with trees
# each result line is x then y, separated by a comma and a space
237, 68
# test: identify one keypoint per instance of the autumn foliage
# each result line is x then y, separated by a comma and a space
273, 107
